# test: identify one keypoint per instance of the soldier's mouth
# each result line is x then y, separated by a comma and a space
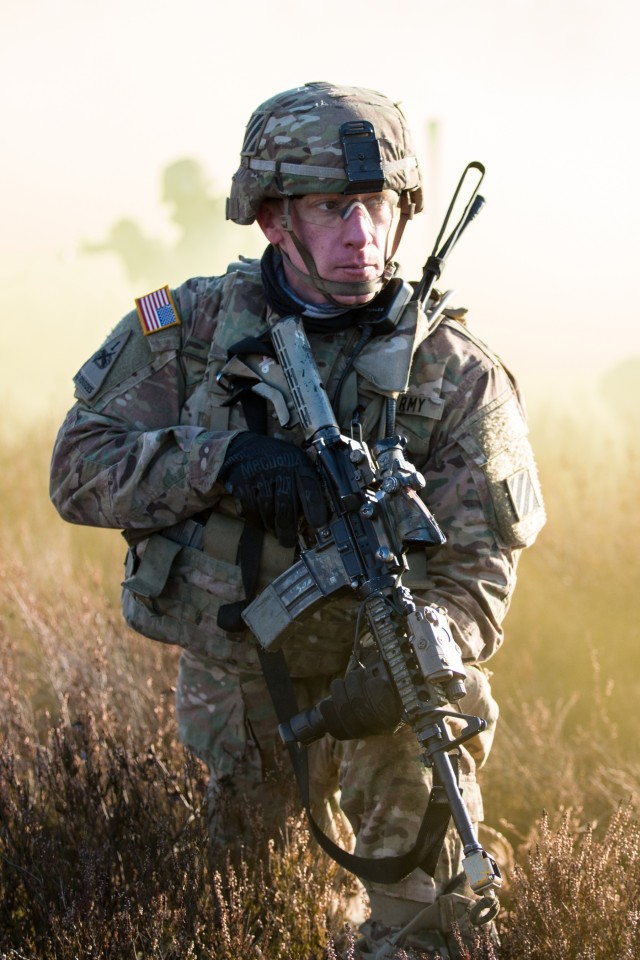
366, 270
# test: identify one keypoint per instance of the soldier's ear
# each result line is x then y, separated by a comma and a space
269, 221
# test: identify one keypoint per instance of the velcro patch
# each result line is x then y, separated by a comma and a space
91, 376
157, 311
495, 442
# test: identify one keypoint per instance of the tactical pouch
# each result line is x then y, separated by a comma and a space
173, 594
147, 580
177, 581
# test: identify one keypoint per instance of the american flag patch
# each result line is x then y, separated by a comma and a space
157, 311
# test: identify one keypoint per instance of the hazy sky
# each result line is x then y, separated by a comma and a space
98, 99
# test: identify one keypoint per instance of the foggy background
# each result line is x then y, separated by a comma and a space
113, 116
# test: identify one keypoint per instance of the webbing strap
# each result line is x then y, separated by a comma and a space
390, 167
250, 545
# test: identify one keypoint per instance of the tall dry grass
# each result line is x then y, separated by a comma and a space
103, 814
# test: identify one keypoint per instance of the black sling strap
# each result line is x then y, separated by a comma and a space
254, 408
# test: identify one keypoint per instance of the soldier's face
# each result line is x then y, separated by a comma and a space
347, 238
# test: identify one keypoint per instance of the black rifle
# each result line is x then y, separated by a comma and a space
376, 514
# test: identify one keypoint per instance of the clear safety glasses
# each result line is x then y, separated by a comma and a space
329, 210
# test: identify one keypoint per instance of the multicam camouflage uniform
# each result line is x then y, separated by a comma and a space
142, 449
143, 454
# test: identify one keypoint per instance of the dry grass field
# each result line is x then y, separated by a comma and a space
103, 815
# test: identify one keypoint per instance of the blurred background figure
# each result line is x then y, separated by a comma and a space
205, 241
141, 256
197, 213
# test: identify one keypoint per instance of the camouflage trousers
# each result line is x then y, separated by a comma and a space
369, 794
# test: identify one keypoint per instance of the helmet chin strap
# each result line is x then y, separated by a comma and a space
330, 288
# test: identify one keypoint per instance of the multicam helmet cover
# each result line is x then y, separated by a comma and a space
321, 138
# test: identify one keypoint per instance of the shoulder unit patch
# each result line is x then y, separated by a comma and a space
90, 377
157, 311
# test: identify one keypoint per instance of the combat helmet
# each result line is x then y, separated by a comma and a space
322, 138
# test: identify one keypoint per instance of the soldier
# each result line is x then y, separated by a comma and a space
181, 436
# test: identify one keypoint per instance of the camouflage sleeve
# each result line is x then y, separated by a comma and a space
483, 489
126, 455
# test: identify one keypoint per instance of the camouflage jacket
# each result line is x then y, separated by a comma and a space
142, 448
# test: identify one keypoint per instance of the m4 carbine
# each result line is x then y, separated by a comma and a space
376, 513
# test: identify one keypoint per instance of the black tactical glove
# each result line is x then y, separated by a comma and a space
273, 482
364, 702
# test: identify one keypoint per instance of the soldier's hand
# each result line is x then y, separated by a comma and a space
364, 702
274, 484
